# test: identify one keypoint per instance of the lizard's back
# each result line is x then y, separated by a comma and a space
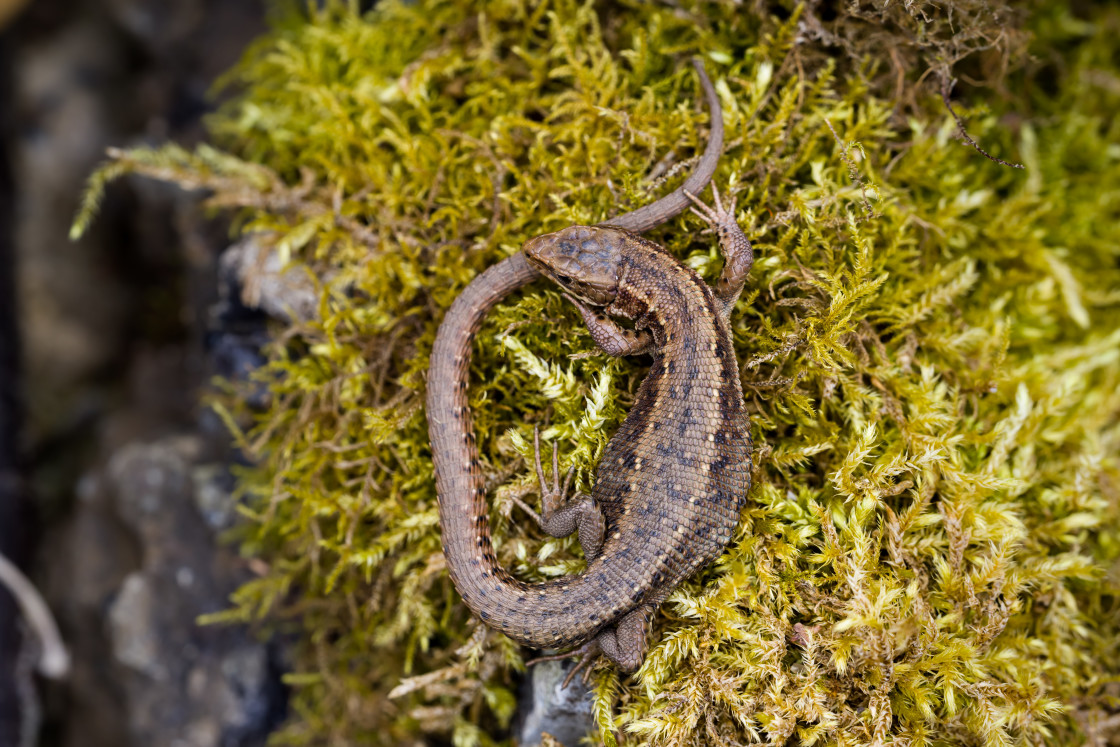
673, 478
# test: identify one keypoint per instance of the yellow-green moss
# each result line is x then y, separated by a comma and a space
929, 341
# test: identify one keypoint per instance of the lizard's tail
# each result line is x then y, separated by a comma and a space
555, 614
487, 589
644, 218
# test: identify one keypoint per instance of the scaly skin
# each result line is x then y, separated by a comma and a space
673, 478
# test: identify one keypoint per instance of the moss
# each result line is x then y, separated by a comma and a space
929, 351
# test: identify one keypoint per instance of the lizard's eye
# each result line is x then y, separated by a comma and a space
564, 279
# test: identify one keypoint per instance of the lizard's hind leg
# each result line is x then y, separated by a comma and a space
624, 643
586, 655
560, 517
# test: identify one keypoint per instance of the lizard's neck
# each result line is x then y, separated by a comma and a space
657, 293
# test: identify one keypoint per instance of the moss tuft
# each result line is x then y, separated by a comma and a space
929, 352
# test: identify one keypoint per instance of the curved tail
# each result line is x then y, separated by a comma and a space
674, 203
554, 614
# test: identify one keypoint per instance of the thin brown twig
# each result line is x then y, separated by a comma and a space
947, 87
853, 173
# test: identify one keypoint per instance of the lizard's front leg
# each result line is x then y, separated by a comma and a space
560, 517
612, 338
733, 244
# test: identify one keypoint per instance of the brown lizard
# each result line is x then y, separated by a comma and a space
671, 481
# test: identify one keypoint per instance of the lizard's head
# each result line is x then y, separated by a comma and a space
583, 260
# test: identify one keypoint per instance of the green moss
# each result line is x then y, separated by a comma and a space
929, 346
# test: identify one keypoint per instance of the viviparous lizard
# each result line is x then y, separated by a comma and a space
671, 481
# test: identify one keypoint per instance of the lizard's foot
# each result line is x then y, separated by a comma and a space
717, 218
555, 496
733, 244
551, 497
611, 337
625, 643
587, 654
559, 516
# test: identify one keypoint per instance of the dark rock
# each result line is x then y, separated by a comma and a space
15, 509
186, 684
115, 341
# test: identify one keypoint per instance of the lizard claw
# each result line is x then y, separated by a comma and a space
587, 654
718, 217
537, 454
554, 496
733, 244
585, 312
529, 510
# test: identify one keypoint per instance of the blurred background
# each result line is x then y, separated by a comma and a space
113, 479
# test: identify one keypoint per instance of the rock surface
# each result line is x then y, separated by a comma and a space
546, 708
148, 564
189, 685
129, 475
285, 293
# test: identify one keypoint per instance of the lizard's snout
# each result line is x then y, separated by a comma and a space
583, 260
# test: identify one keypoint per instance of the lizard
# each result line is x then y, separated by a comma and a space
673, 478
